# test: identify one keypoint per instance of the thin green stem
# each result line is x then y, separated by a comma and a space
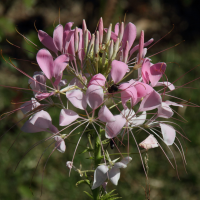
97, 157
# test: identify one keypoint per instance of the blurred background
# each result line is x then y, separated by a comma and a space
156, 18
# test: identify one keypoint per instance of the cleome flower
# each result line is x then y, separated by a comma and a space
89, 79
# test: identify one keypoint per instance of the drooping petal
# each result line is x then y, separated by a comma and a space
150, 101
41, 119
114, 175
129, 35
58, 37
118, 70
29, 105
100, 175
114, 128
60, 144
41, 96
105, 115
47, 41
94, 96
38, 83
169, 133
149, 143
67, 117
30, 128
156, 72
173, 103
120, 165
126, 160
165, 83
77, 98
164, 111
45, 62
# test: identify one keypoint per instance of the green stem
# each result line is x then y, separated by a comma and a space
97, 158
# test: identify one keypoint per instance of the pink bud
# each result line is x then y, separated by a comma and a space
101, 30
76, 40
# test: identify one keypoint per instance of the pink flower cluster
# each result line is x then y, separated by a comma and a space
100, 67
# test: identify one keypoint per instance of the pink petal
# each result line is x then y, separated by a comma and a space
77, 98
128, 92
129, 35
150, 101
118, 70
114, 128
97, 79
149, 143
67, 35
142, 89
100, 175
68, 26
156, 72
45, 62
117, 28
58, 37
146, 71
94, 96
105, 115
135, 48
60, 64
67, 117
47, 41
169, 133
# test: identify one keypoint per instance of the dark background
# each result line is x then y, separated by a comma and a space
156, 18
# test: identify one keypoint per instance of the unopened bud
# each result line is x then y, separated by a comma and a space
76, 40
96, 45
107, 38
91, 44
110, 50
101, 30
121, 32
116, 48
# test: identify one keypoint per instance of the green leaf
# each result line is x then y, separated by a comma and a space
87, 150
88, 194
109, 196
83, 181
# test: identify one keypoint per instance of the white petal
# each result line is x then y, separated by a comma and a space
114, 175
126, 160
169, 133
100, 175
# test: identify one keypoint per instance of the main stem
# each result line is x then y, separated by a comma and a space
97, 157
